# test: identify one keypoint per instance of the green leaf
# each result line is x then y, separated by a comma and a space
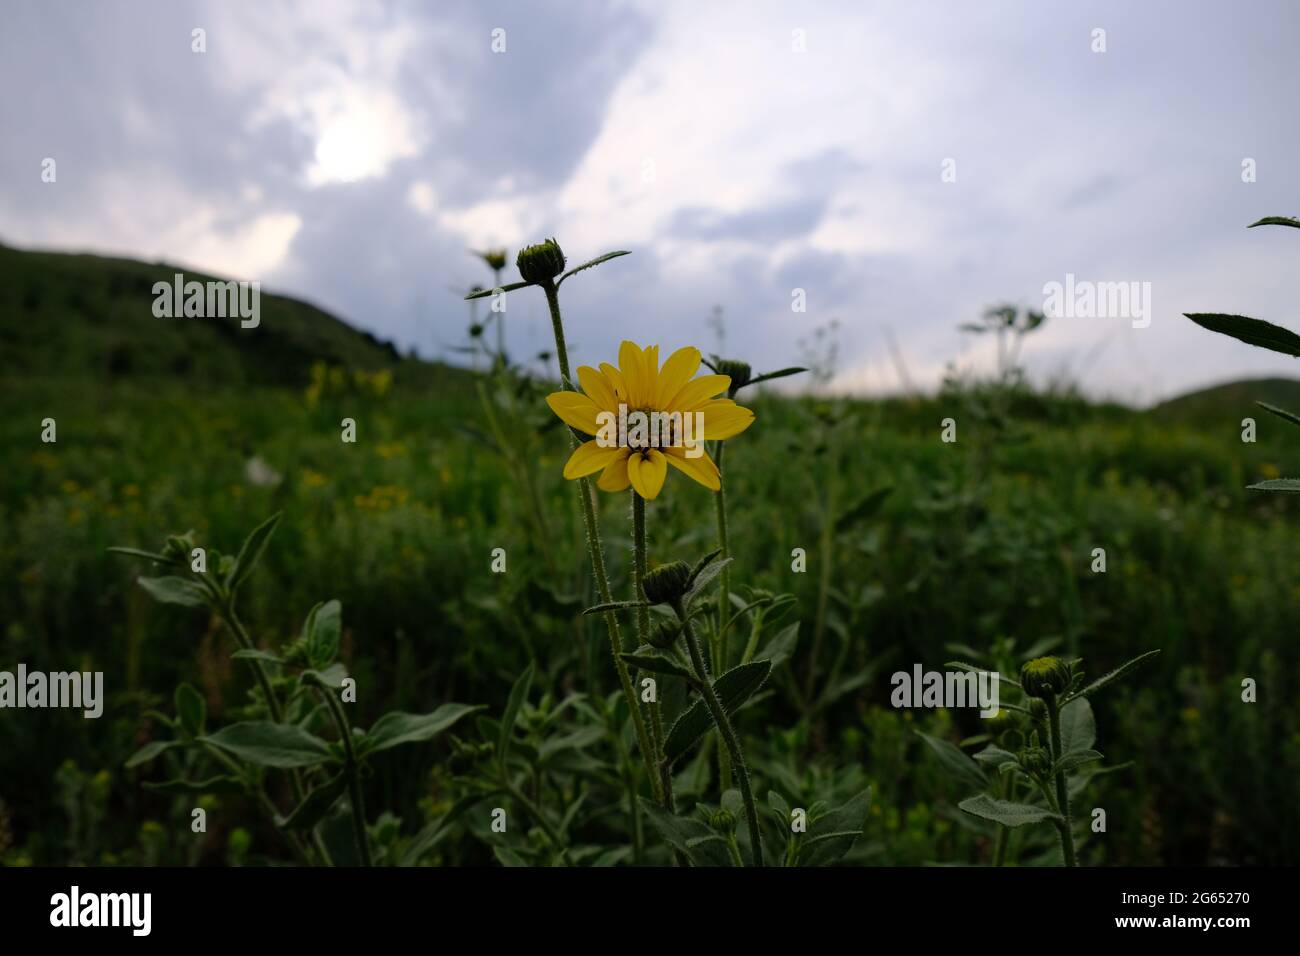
652, 659
959, 766
175, 590
251, 551
864, 509
1078, 726
191, 709
395, 728
769, 376
961, 666
149, 751
190, 788
137, 553
995, 757
688, 835
1288, 485
733, 688
614, 606
326, 624
1074, 759
1292, 417
508, 857
833, 834
1115, 675
252, 654
1276, 221
1005, 812
703, 578
1255, 332
316, 804
518, 694
483, 293
267, 744
781, 647
593, 262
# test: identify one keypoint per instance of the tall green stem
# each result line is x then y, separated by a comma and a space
719, 649
1065, 828
351, 769
643, 635
728, 735
594, 549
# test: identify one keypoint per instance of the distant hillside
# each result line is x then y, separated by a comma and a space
1218, 400
91, 316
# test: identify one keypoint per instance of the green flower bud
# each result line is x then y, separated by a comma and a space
179, 546
1035, 761
739, 372
667, 583
1044, 677
664, 635
495, 258
1037, 709
722, 820
999, 722
540, 263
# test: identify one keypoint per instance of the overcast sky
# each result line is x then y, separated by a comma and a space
351, 153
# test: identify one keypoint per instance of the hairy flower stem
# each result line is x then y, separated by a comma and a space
643, 635
725, 730
352, 770
719, 649
594, 549
1065, 829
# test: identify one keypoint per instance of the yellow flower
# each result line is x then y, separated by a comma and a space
627, 454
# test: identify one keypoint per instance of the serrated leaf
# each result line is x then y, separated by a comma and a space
1116, 674
961, 767
1005, 812
396, 728
174, 590
733, 688
149, 752
518, 694
266, 744
251, 551
593, 262
1255, 332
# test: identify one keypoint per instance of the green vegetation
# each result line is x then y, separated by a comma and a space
918, 551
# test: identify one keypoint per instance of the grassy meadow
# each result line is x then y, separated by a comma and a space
917, 551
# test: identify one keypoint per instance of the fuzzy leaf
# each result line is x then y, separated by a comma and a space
267, 744
614, 606
652, 659
1276, 221
251, 551
593, 262
833, 834
326, 624
1075, 759
395, 727
1005, 812
961, 767
1078, 726
703, 578
1286, 485
149, 751
1255, 332
1002, 679
733, 688
174, 590
687, 835
1116, 674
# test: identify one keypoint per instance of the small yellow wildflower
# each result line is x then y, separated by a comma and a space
639, 384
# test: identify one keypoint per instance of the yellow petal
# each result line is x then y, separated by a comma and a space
647, 471
597, 387
575, 409
698, 391
724, 421
650, 368
702, 469
631, 363
614, 477
616, 380
589, 458
677, 371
